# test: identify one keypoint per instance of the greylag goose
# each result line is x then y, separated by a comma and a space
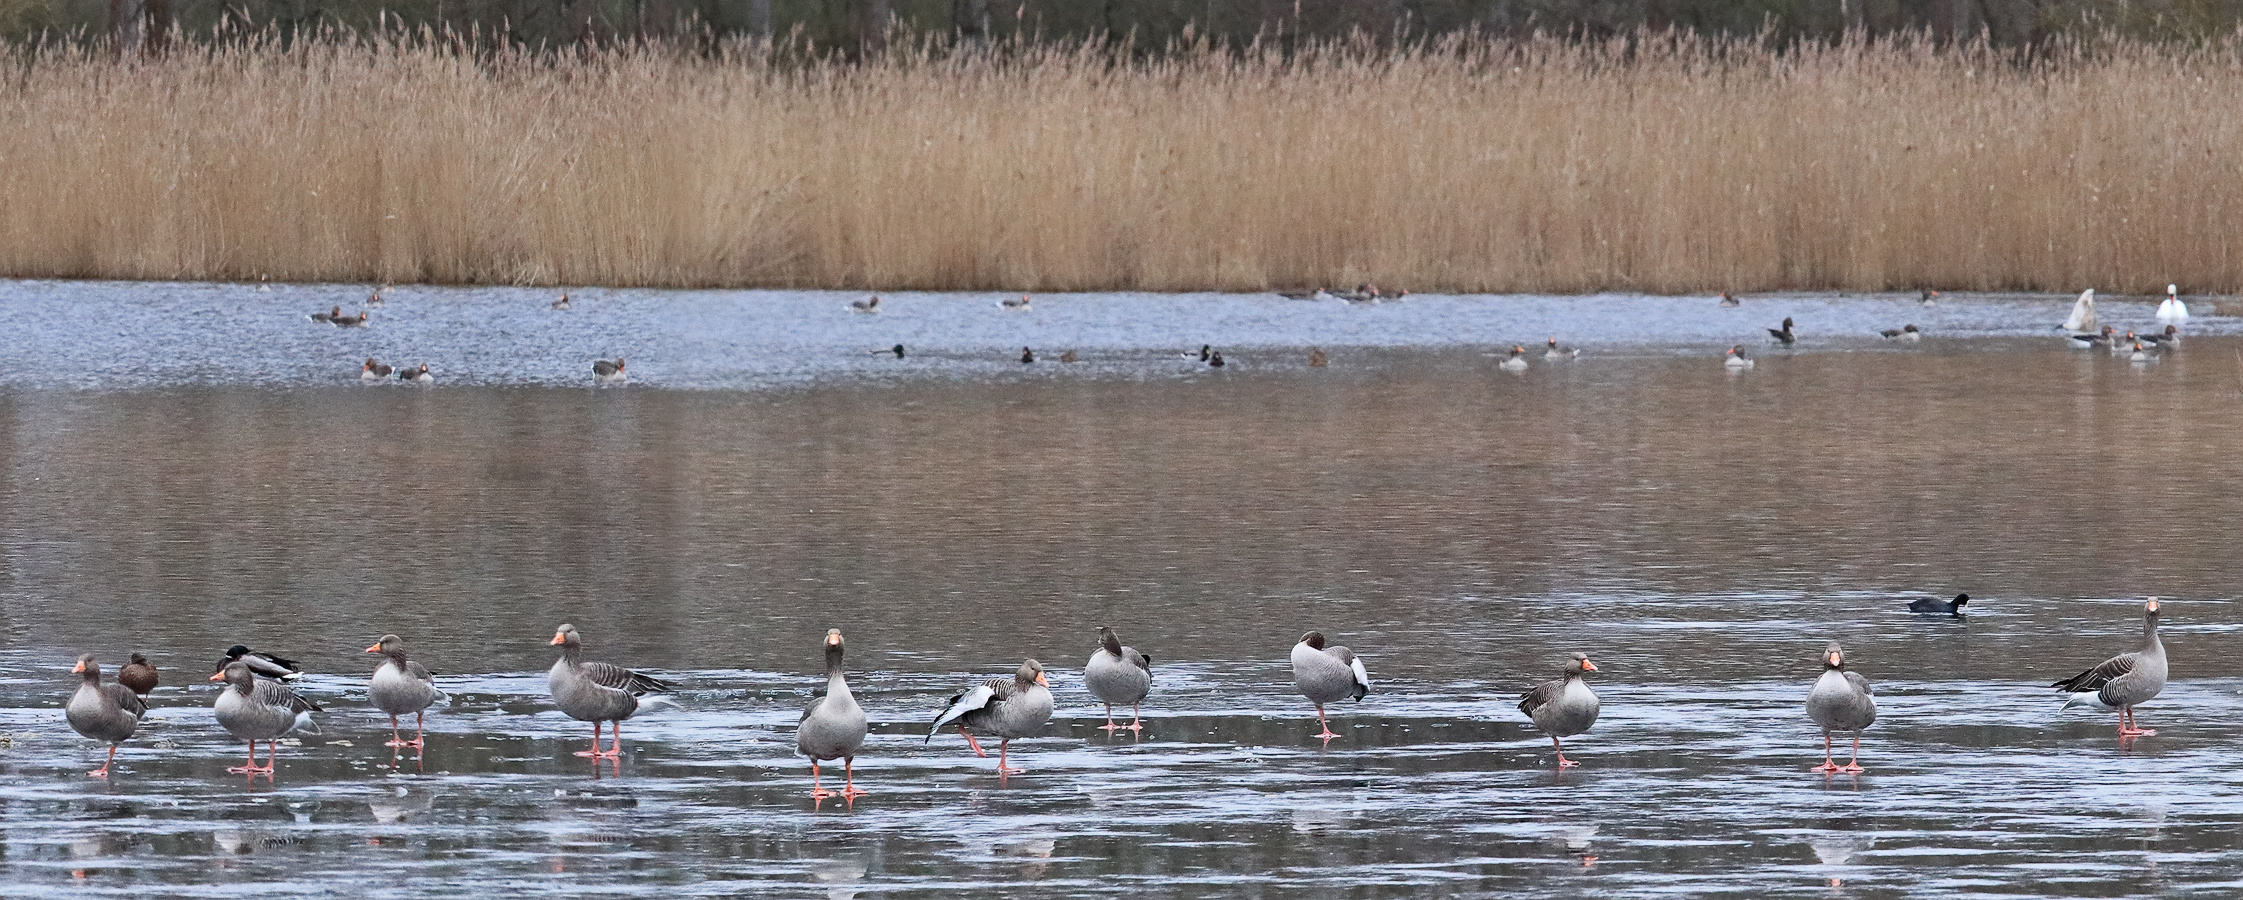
1516, 362
1118, 675
2108, 337
103, 712
1904, 333
399, 686
833, 727
2139, 355
343, 321
2162, 340
1728, 300
1935, 605
867, 305
139, 675
1001, 708
375, 298
1737, 359
1363, 293
1317, 294
1027, 356
1840, 701
2123, 681
1324, 675
606, 372
1553, 351
596, 692
254, 709
1784, 335
1565, 707
1927, 297
1020, 305
373, 371
417, 376
562, 303
328, 316
265, 664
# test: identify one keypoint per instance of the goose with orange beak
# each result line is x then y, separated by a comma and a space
399, 686
596, 692
1565, 707
1840, 701
103, 712
258, 709
1002, 708
834, 727
2124, 680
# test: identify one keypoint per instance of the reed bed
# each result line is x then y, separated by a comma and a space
1659, 163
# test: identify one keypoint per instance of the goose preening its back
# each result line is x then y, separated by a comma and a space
1118, 675
103, 712
1737, 359
1565, 707
1935, 605
596, 692
606, 372
2082, 319
255, 709
833, 727
2172, 310
1840, 701
2123, 681
1327, 675
1002, 708
1784, 335
401, 685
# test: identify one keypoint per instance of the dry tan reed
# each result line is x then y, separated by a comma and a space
1668, 165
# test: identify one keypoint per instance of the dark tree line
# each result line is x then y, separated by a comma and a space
856, 25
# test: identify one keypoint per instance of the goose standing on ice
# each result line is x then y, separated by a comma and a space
2172, 310
1327, 674
401, 685
1840, 701
2123, 681
833, 727
103, 712
1784, 335
1565, 707
1118, 675
597, 692
254, 709
1001, 708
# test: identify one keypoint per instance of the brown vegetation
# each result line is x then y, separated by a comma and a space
1651, 164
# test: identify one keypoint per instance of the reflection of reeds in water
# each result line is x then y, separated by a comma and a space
1534, 166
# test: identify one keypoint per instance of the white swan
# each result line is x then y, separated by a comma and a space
2172, 310
2082, 320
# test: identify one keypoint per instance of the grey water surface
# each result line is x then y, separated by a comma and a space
188, 466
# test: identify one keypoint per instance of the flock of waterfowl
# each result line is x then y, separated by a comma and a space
257, 705
373, 371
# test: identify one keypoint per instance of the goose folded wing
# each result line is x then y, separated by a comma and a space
271, 693
418, 672
125, 699
1860, 684
1541, 695
2095, 678
1144, 661
609, 675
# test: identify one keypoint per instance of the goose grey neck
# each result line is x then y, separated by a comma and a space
1110, 641
833, 660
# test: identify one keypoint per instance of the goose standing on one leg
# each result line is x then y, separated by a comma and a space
1117, 675
401, 686
1840, 701
833, 727
2123, 681
1565, 707
256, 709
596, 692
1004, 709
104, 712
1325, 675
